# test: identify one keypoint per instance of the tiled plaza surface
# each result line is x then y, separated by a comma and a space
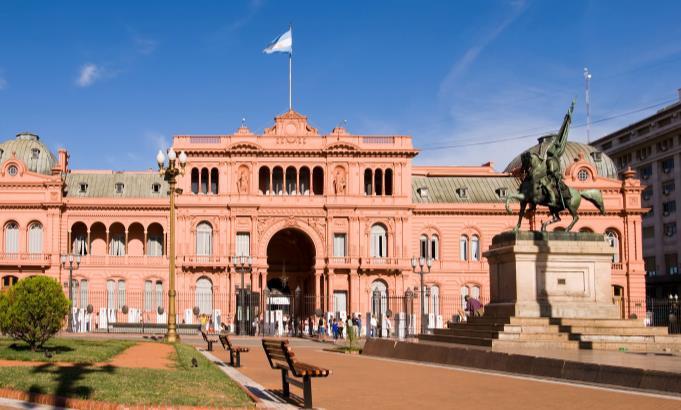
366, 382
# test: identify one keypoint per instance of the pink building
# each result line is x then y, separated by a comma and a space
337, 216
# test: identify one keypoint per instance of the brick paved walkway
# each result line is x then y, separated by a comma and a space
365, 382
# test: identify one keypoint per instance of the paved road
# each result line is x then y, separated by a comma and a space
365, 382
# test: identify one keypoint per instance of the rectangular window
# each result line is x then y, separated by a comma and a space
647, 193
671, 263
668, 187
648, 231
650, 265
121, 294
155, 245
668, 208
339, 245
669, 229
159, 294
423, 247
148, 295
646, 171
111, 294
667, 165
243, 244
84, 293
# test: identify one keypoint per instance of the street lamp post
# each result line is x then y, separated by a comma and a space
421, 262
242, 263
170, 174
69, 259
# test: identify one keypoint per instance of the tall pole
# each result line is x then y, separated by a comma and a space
172, 319
587, 97
423, 305
290, 89
243, 301
71, 296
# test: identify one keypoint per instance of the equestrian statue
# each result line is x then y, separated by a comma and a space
542, 181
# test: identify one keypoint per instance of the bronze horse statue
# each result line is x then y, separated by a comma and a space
531, 193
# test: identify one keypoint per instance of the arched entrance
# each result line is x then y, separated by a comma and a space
290, 262
290, 280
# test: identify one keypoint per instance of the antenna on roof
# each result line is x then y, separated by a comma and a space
587, 97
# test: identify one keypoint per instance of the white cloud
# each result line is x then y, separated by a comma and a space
89, 73
473, 52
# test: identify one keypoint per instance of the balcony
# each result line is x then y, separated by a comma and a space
207, 261
389, 264
111, 260
341, 262
617, 266
25, 259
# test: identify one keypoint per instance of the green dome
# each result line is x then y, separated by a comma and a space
604, 164
28, 149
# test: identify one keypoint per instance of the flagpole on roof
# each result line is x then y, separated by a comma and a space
290, 64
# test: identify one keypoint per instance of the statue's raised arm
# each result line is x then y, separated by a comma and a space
558, 146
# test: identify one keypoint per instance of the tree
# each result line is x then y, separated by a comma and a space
33, 310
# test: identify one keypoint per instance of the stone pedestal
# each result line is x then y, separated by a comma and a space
550, 274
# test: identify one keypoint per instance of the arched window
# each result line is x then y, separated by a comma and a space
378, 181
264, 180
195, 181
159, 294
463, 248
204, 180
378, 298
583, 175
318, 180
12, 238
435, 247
204, 239
423, 247
214, 179
204, 296
8, 281
84, 301
291, 181
463, 292
304, 180
35, 238
388, 181
121, 293
475, 248
278, 180
368, 182
148, 295
614, 242
435, 300
379, 241
475, 292
111, 294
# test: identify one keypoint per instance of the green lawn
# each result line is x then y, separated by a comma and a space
204, 385
65, 350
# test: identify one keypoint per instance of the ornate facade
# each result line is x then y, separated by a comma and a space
337, 216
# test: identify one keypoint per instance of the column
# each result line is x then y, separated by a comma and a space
353, 293
89, 244
144, 244
317, 288
69, 245
125, 248
329, 293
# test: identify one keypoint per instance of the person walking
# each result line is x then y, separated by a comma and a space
373, 323
473, 306
341, 327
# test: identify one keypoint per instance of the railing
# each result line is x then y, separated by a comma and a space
617, 266
204, 260
379, 261
103, 260
378, 140
17, 258
205, 139
340, 260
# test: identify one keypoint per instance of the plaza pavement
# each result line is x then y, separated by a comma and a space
367, 382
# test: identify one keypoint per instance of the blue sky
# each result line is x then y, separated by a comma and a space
112, 82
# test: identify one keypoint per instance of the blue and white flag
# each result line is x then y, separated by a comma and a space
281, 44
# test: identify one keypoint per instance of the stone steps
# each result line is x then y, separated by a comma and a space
464, 340
538, 344
625, 331
559, 337
600, 323
657, 347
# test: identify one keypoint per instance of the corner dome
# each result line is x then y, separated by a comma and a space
28, 148
573, 150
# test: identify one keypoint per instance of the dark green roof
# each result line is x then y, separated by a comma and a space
100, 185
446, 189
605, 167
22, 147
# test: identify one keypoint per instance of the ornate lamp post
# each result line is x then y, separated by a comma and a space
170, 174
421, 262
69, 259
243, 263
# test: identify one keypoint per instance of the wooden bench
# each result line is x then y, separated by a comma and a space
281, 357
234, 351
209, 339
